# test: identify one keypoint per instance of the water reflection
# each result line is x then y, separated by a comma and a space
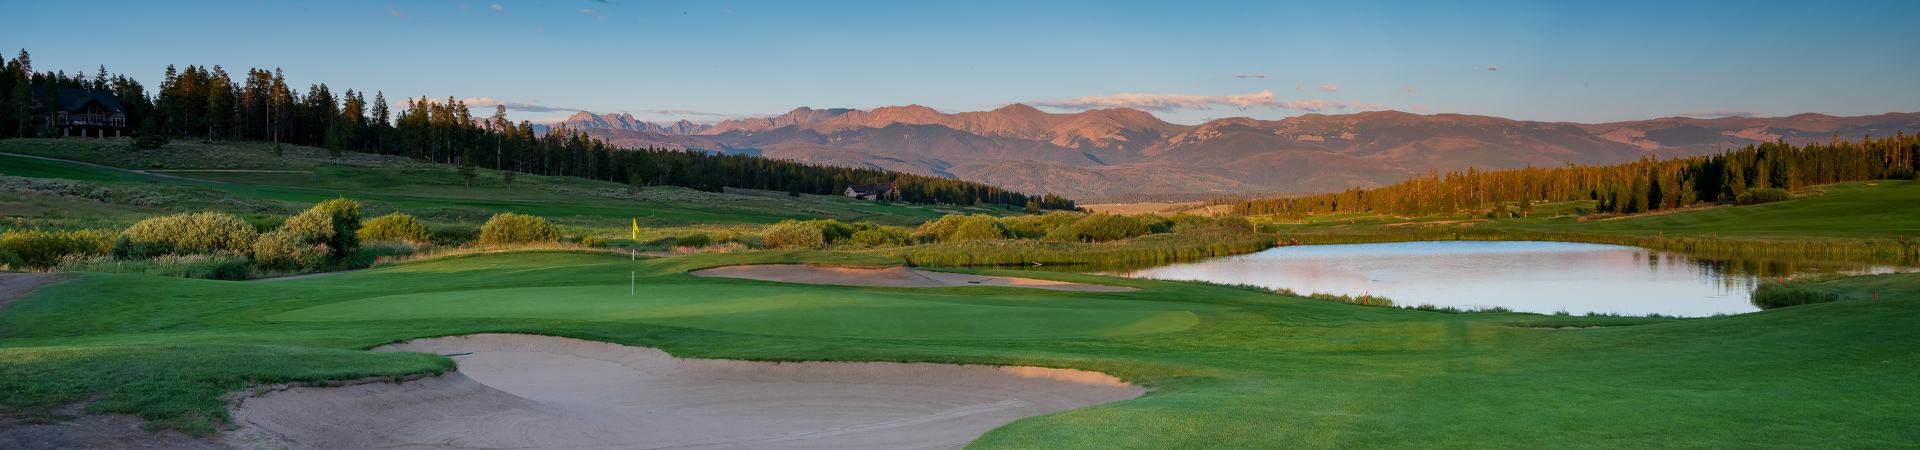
1542, 277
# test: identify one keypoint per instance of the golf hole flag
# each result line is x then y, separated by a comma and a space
636, 230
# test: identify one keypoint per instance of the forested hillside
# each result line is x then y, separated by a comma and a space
1751, 174
208, 104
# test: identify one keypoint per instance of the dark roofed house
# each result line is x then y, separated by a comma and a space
876, 191
81, 112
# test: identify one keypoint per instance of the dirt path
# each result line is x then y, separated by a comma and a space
16, 285
142, 172
310, 275
889, 276
521, 391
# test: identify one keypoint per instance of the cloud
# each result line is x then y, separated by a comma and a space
1493, 67
1722, 113
397, 13
489, 102
1298, 87
1250, 75
498, 8
1328, 88
1409, 88
1422, 108
588, 11
1164, 102
1319, 105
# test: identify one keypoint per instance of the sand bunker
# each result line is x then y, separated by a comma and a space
519, 391
890, 276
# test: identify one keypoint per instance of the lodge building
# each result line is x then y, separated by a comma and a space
876, 191
81, 112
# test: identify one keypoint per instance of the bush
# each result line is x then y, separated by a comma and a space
9, 260
694, 239
593, 241
196, 233
794, 235
44, 248
510, 228
285, 250
979, 228
312, 227
942, 229
1758, 196
880, 237
1109, 227
394, 227
1777, 295
346, 224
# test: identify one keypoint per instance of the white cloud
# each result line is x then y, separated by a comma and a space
1164, 102
1493, 67
1409, 88
588, 11
498, 8
397, 13
1328, 88
1421, 108
1251, 75
1298, 87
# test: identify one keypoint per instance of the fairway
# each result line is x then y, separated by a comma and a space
783, 310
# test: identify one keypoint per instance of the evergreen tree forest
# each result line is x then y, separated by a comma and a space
1645, 185
204, 103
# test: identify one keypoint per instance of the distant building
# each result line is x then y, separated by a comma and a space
81, 112
876, 191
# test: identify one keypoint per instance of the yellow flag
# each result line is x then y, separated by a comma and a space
636, 229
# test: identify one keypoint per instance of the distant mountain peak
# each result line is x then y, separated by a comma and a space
625, 121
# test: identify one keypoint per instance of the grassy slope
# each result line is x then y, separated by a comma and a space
1255, 370
1856, 210
418, 186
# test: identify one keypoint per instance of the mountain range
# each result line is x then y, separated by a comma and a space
1123, 151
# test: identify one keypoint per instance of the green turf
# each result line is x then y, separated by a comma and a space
1886, 209
1251, 370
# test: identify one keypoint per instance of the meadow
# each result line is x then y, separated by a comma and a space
1229, 368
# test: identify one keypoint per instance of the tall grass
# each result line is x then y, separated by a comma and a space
1693, 244
1794, 292
1158, 248
207, 266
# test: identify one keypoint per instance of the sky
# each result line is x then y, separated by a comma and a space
1186, 62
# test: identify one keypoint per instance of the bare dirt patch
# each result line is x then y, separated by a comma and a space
102, 432
888, 276
16, 285
520, 391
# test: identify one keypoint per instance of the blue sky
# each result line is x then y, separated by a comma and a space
707, 60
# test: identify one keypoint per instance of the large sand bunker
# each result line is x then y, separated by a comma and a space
889, 276
520, 391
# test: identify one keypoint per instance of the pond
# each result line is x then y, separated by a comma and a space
1539, 277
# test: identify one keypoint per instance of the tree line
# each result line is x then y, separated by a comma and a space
1645, 185
209, 104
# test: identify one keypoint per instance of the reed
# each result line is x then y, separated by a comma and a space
1879, 248
1158, 248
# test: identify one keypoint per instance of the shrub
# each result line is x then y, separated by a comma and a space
312, 227
593, 241
9, 260
881, 237
510, 228
980, 228
44, 248
346, 224
195, 233
833, 230
1778, 295
1758, 196
1109, 227
793, 235
285, 250
394, 227
694, 239
942, 229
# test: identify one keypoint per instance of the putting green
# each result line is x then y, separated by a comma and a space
781, 310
